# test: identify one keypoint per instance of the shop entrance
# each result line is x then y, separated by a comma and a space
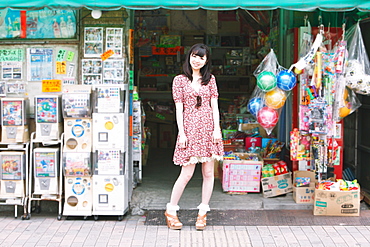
238, 43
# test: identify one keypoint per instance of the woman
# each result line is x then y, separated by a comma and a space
199, 138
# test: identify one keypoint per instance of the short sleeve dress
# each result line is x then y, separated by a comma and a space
198, 122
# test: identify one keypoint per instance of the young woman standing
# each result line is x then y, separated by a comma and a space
199, 139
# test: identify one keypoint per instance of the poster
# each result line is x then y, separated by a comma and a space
11, 70
113, 71
45, 164
40, 64
114, 41
93, 41
39, 24
15, 87
92, 71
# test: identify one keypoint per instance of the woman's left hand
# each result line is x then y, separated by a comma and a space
217, 136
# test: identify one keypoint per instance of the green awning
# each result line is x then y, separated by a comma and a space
299, 5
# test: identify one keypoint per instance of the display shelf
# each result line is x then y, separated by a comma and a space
38, 197
17, 200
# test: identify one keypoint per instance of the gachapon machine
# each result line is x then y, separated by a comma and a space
13, 174
77, 184
77, 134
110, 183
109, 98
46, 171
77, 118
109, 131
76, 101
48, 117
14, 120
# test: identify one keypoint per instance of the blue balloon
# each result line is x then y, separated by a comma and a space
254, 105
286, 80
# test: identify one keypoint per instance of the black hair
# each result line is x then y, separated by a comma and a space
199, 50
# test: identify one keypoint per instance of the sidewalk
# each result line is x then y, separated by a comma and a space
43, 230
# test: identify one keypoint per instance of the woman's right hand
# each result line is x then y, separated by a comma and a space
183, 140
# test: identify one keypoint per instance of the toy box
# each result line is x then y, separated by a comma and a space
242, 175
277, 185
304, 194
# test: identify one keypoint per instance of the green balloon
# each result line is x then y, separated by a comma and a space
266, 81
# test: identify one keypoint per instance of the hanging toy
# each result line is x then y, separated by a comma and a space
266, 81
275, 99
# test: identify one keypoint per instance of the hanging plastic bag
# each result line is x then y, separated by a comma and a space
357, 71
270, 94
345, 102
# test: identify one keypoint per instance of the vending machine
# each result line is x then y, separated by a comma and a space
76, 101
76, 105
109, 98
108, 131
13, 174
46, 171
14, 120
48, 117
109, 183
77, 184
77, 134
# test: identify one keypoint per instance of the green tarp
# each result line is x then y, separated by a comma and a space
300, 5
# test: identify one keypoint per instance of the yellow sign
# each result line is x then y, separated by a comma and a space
51, 86
61, 68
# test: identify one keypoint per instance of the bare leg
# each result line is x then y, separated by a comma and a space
208, 181
181, 182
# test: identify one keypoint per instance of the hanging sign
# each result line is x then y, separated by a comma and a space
51, 86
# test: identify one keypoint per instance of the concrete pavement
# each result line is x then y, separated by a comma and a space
43, 230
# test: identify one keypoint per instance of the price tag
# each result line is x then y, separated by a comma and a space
107, 54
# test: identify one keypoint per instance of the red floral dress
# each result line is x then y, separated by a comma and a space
198, 122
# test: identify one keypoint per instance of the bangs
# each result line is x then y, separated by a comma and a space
200, 52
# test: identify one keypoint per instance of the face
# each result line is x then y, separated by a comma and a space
197, 62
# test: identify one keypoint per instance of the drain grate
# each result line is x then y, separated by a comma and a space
261, 218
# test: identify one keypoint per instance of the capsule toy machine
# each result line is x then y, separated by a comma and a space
78, 191
109, 103
14, 120
48, 117
109, 98
46, 171
13, 175
109, 177
76, 105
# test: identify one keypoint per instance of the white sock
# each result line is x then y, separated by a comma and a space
203, 209
172, 209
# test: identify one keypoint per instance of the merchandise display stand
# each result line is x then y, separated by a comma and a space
17, 199
38, 196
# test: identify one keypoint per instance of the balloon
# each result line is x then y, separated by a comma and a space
267, 117
286, 80
266, 81
254, 105
275, 99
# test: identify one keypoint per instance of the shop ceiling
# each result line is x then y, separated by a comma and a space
298, 5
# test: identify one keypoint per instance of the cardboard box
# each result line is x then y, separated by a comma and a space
337, 203
277, 185
304, 195
242, 175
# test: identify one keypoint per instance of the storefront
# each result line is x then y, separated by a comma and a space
148, 40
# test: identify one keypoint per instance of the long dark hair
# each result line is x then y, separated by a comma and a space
199, 50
